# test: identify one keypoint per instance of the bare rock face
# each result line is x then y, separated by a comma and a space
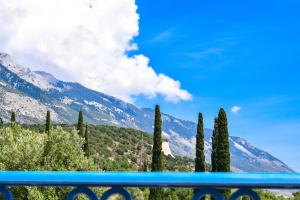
26, 107
166, 149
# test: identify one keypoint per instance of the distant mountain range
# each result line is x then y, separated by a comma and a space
31, 93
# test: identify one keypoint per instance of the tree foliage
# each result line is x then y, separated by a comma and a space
214, 145
23, 149
220, 156
200, 157
86, 143
48, 122
118, 149
157, 154
80, 124
62, 150
13, 118
223, 152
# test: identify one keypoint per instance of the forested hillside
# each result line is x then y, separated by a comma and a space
118, 149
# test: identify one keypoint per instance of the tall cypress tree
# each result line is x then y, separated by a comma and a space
145, 165
80, 124
214, 147
48, 122
200, 157
157, 154
13, 118
1, 121
86, 143
223, 152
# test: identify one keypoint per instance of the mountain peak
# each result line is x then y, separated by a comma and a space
25, 73
6, 60
4, 56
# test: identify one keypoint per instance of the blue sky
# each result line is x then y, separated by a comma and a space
230, 53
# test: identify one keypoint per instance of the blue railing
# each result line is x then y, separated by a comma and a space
207, 183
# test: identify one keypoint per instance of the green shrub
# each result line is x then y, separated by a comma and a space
22, 149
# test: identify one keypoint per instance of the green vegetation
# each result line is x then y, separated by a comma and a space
200, 157
117, 149
157, 154
13, 118
107, 148
220, 144
80, 124
222, 151
268, 195
61, 149
86, 143
48, 122
214, 147
296, 195
23, 149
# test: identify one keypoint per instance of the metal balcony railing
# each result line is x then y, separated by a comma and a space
207, 183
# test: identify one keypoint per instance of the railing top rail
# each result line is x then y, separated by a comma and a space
147, 179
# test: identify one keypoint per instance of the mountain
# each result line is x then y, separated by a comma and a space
31, 93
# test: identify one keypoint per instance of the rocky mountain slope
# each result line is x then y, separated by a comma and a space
30, 94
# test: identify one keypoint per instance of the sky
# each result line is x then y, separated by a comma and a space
189, 56
240, 55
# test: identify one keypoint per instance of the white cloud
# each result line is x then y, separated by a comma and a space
84, 44
235, 109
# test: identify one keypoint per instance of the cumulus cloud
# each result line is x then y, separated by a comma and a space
83, 44
235, 109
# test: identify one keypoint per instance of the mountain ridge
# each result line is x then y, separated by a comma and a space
41, 89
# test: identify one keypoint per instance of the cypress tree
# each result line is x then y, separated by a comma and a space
214, 147
157, 154
48, 122
145, 165
13, 118
200, 157
1, 121
223, 152
80, 124
86, 143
